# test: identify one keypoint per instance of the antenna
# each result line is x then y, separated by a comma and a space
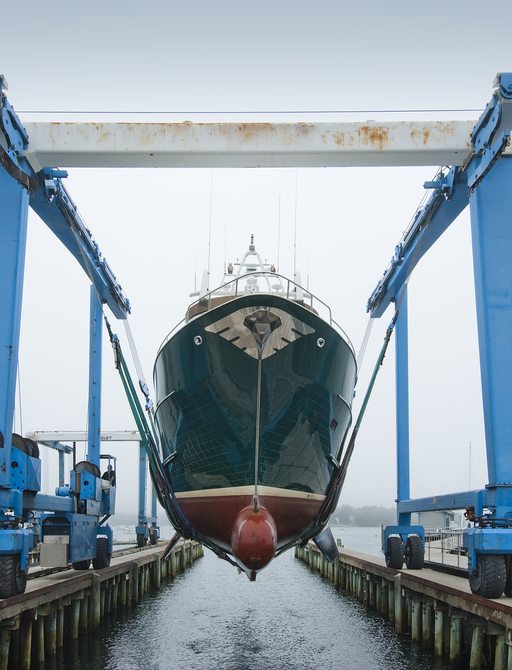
295, 228
307, 269
210, 230
225, 259
195, 269
278, 230
469, 469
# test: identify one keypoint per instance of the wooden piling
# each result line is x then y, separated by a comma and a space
84, 614
439, 632
384, 587
95, 601
115, 595
140, 582
408, 605
391, 602
477, 644
397, 589
14, 655
343, 577
415, 619
25, 641
371, 592
60, 627
5, 640
499, 655
75, 618
124, 588
134, 582
50, 633
158, 573
378, 595
455, 637
38, 639
426, 623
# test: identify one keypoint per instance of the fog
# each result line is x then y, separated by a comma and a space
153, 225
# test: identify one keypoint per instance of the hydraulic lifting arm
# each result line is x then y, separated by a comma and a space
50, 200
448, 199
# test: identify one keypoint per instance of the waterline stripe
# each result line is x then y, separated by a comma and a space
249, 491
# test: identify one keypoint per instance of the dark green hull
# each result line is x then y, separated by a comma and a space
209, 400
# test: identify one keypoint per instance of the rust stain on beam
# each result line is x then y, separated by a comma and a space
261, 144
376, 136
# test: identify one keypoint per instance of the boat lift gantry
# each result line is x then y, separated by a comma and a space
484, 182
71, 523
479, 173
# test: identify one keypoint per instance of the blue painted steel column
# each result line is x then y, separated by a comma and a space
491, 226
142, 484
153, 504
61, 468
95, 345
13, 240
402, 405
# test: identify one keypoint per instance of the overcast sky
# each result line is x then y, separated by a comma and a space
152, 225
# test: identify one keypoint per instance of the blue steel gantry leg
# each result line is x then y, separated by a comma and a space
15, 542
95, 351
13, 239
403, 540
491, 205
485, 182
491, 226
402, 406
142, 527
154, 531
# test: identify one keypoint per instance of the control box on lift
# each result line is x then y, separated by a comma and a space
78, 537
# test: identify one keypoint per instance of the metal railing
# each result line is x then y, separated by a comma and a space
286, 288
244, 285
445, 546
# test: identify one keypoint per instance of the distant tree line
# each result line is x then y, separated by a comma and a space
373, 515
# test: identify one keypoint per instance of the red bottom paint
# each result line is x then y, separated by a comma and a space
220, 518
254, 538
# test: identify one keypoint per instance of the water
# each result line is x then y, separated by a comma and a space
212, 618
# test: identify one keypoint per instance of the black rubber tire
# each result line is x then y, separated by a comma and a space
32, 447
103, 557
13, 580
153, 536
508, 578
82, 565
87, 466
490, 576
414, 553
395, 553
141, 540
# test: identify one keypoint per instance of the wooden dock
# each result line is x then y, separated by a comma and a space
437, 610
69, 603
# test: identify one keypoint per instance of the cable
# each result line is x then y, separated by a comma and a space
295, 227
133, 350
268, 111
364, 343
210, 230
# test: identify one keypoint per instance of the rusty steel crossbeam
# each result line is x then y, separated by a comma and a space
187, 144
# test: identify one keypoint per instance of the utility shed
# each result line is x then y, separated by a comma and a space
437, 519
